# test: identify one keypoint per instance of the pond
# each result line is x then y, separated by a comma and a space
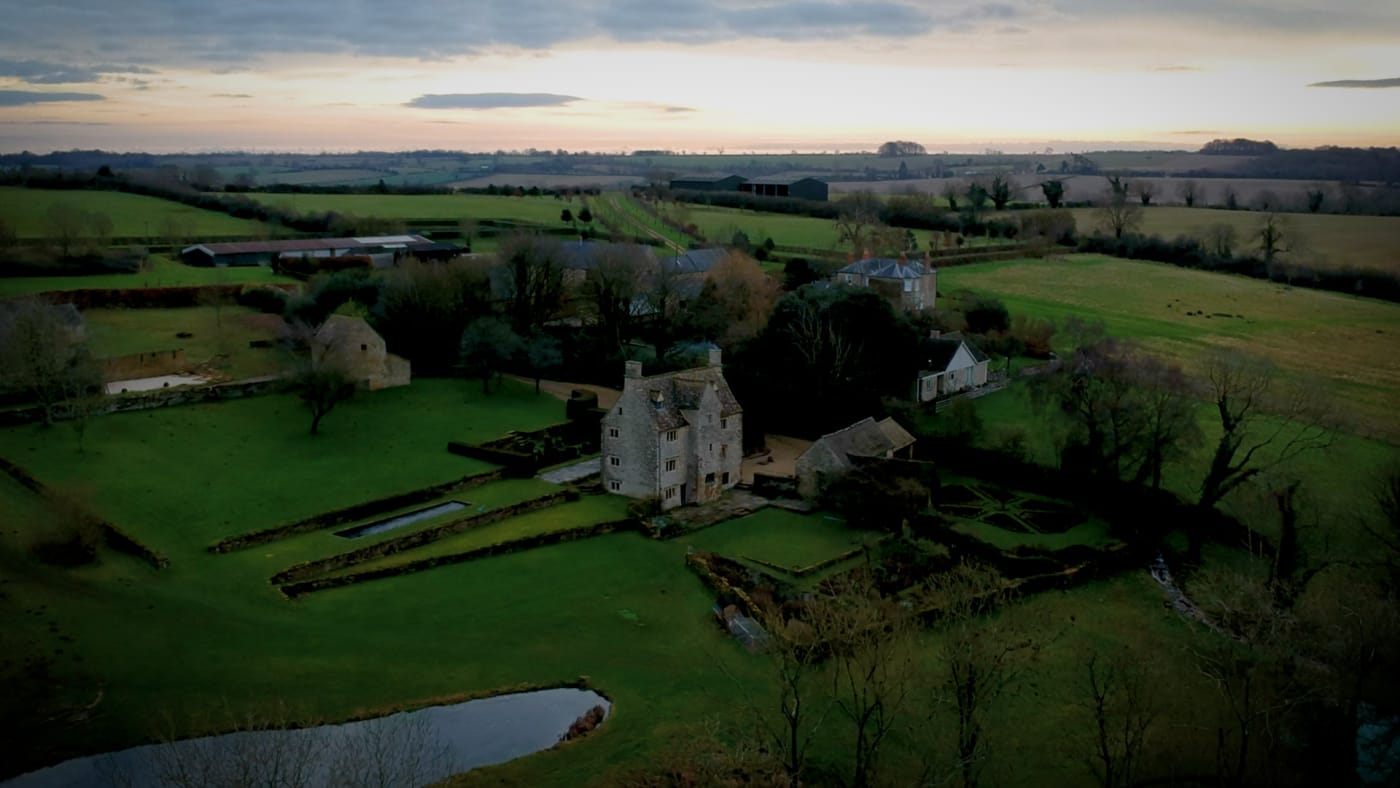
408, 748
390, 523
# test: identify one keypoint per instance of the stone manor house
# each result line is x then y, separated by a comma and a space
676, 437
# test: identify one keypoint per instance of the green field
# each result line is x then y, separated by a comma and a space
163, 272
781, 537
1345, 343
1332, 240
219, 342
719, 225
208, 633
441, 207
268, 468
132, 215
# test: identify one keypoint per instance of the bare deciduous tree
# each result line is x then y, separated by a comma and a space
1188, 193
1263, 424
530, 269
43, 356
857, 215
1118, 694
1117, 213
314, 372
873, 665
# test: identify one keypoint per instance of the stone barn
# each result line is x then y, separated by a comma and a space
351, 344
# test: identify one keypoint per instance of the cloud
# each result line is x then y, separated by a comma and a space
20, 98
678, 109
1392, 82
1177, 68
490, 100
231, 95
1303, 17
1193, 132
229, 35
38, 72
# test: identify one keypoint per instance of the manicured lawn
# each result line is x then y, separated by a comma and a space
220, 336
1344, 343
132, 215
164, 273
215, 470
781, 537
540, 210
1340, 241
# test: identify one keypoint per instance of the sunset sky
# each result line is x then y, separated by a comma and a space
737, 75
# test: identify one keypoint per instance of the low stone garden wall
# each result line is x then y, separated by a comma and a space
114, 537
309, 569
355, 512
296, 589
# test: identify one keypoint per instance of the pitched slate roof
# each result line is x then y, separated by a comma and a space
940, 352
695, 261
584, 255
680, 391
885, 268
306, 244
865, 438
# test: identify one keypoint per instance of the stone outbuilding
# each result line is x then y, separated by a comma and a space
351, 344
676, 437
831, 455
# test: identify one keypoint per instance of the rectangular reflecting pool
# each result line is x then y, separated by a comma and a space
399, 521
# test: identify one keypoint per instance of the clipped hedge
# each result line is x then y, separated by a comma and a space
354, 512
515, 463
151, 297
409, 541
114, 537
296, 589
803, 571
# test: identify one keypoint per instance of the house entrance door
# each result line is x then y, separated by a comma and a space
685, 499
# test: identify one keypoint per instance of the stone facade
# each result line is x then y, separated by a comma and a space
830, 456
676, 437
910, 285
350, 343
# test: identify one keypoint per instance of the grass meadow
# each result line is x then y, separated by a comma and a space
1331, 240
1346, 345
163, 272
443, 207
720, 224
219, 341
132, 215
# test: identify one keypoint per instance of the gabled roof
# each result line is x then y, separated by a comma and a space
939, 352
779, 180
584, 255
865, 438
885, 268
679, 391
695, 261
707, 177
306, 244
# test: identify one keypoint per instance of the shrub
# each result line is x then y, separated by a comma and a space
264, 299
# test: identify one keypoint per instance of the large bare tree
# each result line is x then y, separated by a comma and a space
530, 269
1264, 423
43, 355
